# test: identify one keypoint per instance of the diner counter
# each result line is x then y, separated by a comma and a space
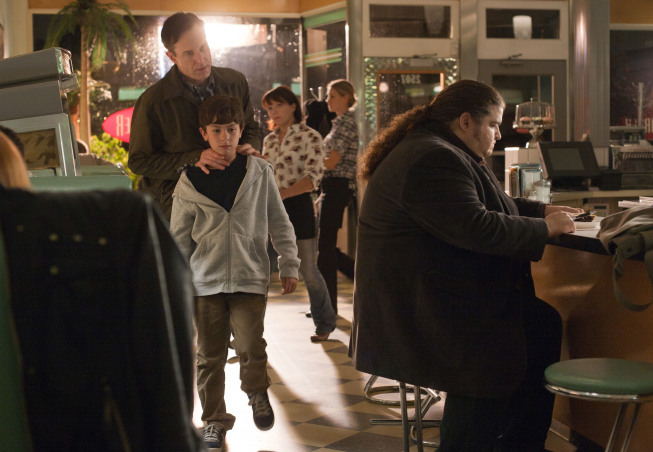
582, 240
575, 277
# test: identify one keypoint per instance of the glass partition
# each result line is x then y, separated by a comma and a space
400, 91
326, 56
522, 23
266, 50
410, 21
631, 79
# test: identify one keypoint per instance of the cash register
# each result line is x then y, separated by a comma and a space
570, 165
631, 157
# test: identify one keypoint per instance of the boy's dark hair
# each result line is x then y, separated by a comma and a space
284, 95
14, 138
221, 109
175, 25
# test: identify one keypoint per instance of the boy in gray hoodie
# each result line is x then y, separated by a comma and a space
222, 219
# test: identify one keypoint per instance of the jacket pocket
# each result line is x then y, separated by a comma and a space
246, 264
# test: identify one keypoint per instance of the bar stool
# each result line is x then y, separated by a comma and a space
370, 391
412, 428
605, 380
432, 397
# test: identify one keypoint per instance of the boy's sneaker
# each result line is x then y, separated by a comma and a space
262, 410
214, 436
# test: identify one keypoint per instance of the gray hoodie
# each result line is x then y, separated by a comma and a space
228, 250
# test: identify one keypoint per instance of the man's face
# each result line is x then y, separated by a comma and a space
192, 55
481, 136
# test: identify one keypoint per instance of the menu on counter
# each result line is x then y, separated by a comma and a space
642, 201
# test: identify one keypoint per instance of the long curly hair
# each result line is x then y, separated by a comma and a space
464, 96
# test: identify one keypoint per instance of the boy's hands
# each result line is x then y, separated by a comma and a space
288, 285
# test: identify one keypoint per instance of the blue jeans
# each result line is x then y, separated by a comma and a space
321, 310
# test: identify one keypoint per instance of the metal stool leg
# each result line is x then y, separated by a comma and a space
369, 391
631, 427
404, 416
418, 418
416, 423
431, 398
616, 428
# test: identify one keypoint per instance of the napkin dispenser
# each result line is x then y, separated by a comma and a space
522, 177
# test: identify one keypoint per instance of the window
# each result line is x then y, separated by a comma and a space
410, 28
631, 78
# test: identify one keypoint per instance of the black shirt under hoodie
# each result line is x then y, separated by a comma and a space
220, 186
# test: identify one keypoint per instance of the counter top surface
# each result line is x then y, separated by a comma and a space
559, 196
584, 239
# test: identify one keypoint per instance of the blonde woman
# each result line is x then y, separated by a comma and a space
338, 184
13, 171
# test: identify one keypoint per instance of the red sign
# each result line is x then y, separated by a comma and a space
118, 124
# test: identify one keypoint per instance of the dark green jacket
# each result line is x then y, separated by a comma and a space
165, 130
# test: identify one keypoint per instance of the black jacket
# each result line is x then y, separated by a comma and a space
102, 303
441, 265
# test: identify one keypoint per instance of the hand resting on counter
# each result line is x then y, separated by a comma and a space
559, 219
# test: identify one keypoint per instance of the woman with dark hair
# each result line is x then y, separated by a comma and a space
296, 153
339, 182
443, 263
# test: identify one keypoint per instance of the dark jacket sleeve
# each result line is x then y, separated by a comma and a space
152, 120
251, 132
530, 208
450, 198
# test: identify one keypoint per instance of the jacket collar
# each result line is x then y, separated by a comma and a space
186, 190
174, 86
443, 131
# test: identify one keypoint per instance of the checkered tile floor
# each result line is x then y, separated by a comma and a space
316, 393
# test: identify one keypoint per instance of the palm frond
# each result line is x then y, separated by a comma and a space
59, 26
99, 50
102, 27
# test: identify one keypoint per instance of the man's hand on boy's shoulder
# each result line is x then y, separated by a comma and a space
247, 149
209, 159
288, 285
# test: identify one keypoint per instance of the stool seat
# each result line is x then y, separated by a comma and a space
605, 380
612, 378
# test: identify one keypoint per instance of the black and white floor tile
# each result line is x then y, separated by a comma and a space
316, 393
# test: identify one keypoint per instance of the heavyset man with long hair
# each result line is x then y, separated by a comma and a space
443, 291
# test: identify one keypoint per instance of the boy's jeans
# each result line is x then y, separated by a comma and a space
213, 316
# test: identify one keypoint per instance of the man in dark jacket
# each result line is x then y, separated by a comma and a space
444, 297
165, 131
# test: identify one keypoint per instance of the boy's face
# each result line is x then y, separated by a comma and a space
223, 138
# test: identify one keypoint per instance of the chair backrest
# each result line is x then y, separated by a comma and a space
13, 420
101, 299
